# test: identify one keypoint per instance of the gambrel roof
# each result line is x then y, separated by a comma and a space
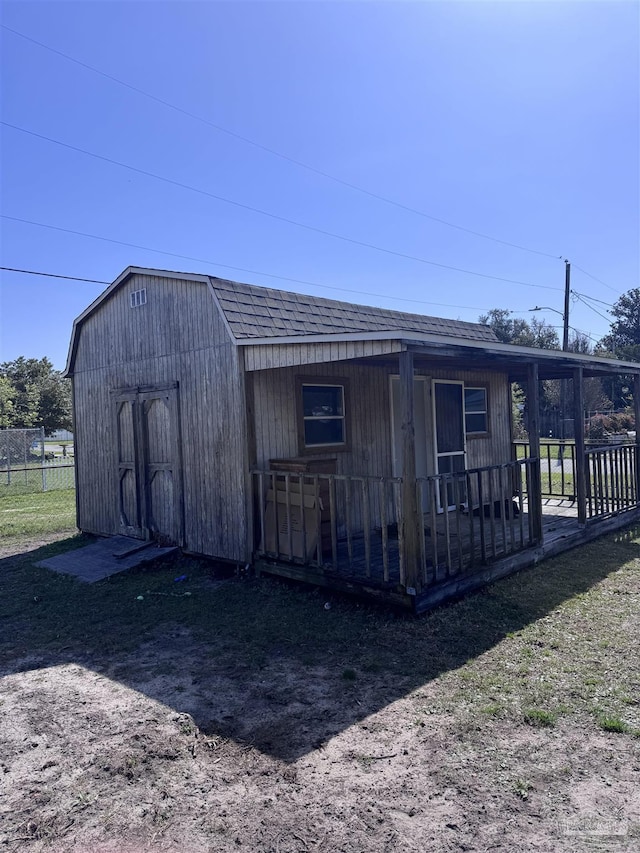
256, 317
261, 312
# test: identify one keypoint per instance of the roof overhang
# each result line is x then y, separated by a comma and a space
512, 359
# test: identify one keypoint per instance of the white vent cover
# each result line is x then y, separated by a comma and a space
138, 297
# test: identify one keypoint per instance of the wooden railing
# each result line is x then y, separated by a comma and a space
557, 467
354, 525
486, 518
611, 480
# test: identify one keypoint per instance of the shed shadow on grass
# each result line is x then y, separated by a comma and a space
262, 662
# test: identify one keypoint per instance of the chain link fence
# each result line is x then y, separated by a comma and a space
31, 463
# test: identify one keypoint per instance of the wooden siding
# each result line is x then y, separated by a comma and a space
266, 356
369, 416
178, 336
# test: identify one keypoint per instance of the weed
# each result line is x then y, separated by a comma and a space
612, 724
522, 788
491, 710
539, 717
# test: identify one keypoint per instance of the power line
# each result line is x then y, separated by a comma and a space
55, 275
226, 266
599, 280
608, 319
270, 215
592, 298
273, 151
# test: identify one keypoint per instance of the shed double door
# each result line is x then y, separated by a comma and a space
149, 469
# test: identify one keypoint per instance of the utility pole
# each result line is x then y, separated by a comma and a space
565, 318
565, 347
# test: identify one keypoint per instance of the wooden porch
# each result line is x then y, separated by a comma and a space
350, 533
419, 540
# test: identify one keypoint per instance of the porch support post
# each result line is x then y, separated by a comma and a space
581, 459
411, 524
535, 495
636, 412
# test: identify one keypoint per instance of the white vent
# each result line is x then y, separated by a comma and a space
138, 297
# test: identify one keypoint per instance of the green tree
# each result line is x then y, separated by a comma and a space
33, 394
623, 340
7, 402
524, 333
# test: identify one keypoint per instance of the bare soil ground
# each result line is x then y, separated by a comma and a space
481, 727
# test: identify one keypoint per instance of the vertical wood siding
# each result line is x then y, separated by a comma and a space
178, 336
266, 356
369, 416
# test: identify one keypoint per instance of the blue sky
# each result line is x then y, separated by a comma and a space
517, 120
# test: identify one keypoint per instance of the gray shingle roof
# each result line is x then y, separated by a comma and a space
260, 312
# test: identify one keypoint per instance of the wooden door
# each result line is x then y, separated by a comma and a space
163, 505
150, 494
450, 445
128, 465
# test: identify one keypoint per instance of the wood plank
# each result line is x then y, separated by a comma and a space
535, 493
411, 520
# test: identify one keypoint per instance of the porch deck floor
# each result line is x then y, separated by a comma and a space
559, 520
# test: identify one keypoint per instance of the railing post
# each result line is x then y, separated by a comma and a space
636, 412
412, 525
535, 493
581, 459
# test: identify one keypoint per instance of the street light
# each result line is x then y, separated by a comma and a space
563, 383
565, 323
564, 314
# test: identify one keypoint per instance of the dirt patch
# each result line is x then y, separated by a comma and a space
18, 547
238, 737
88, 759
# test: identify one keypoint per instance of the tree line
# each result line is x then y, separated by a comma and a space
33, 394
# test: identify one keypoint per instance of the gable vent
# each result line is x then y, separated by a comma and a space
138, 297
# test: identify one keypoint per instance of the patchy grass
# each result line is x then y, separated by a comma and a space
559, 639
36, 514
518, 704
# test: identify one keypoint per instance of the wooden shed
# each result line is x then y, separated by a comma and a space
359, 448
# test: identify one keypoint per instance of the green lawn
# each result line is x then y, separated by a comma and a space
36, 513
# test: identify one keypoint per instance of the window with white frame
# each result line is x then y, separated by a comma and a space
322, 408
476, 418
138, 298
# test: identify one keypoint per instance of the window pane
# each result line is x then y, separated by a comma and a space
475, 399
323, 431
476, 423
318, 400
451, 464
449, 426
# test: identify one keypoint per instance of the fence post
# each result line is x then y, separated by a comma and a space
581, 459
6, 443
636, 412
42, 460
